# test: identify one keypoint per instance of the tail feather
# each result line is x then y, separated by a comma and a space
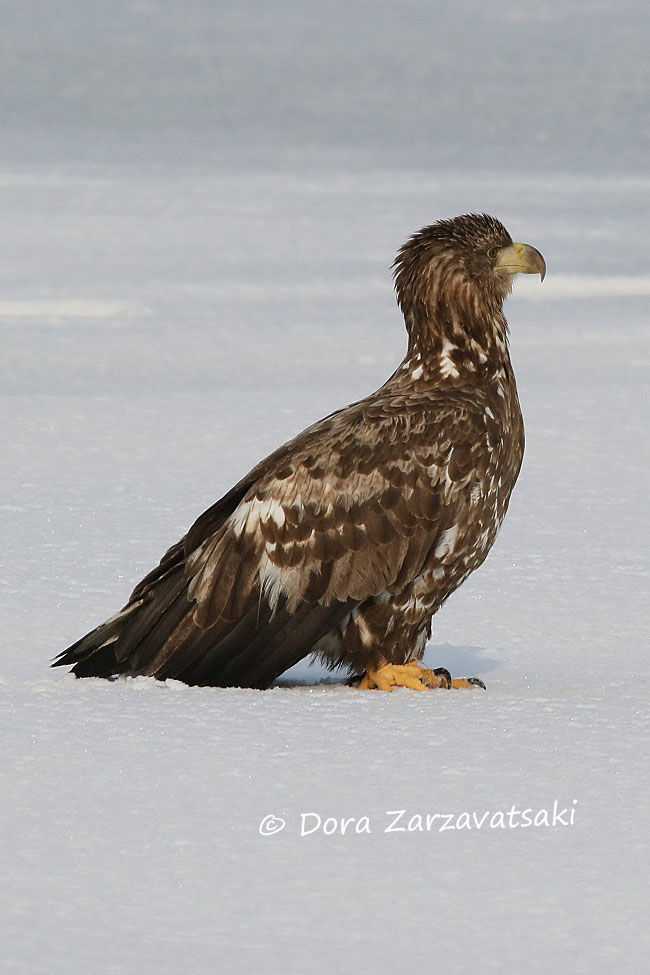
104, 634
101, 663
157, 635
155, 622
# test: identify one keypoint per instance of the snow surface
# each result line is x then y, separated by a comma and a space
200, 207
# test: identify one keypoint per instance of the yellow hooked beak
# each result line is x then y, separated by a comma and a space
521, 258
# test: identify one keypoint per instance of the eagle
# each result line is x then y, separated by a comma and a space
344, 542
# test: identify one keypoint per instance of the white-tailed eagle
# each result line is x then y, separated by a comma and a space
345, 541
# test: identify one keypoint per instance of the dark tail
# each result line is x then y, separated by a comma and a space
156, 635
123, 643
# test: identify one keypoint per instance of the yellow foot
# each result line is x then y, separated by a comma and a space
387, 676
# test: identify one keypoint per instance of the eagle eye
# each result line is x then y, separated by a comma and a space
492, 252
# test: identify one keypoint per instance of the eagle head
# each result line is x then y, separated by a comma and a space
463, 266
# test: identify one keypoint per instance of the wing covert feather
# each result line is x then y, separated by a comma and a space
349, 509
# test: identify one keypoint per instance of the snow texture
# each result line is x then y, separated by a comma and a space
200, 205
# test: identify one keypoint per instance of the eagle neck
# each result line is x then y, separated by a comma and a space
463, 343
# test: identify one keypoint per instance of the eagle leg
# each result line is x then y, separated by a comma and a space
412, 675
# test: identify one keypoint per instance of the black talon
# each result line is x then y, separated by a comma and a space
476, 681
355, 679
443, 672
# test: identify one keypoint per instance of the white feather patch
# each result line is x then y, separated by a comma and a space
248, 514
446, 542
447, 365
276, 582
272, 581
364, 631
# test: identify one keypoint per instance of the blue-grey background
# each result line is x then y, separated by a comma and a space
516, 86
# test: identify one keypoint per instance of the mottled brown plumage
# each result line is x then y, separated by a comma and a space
345, 541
